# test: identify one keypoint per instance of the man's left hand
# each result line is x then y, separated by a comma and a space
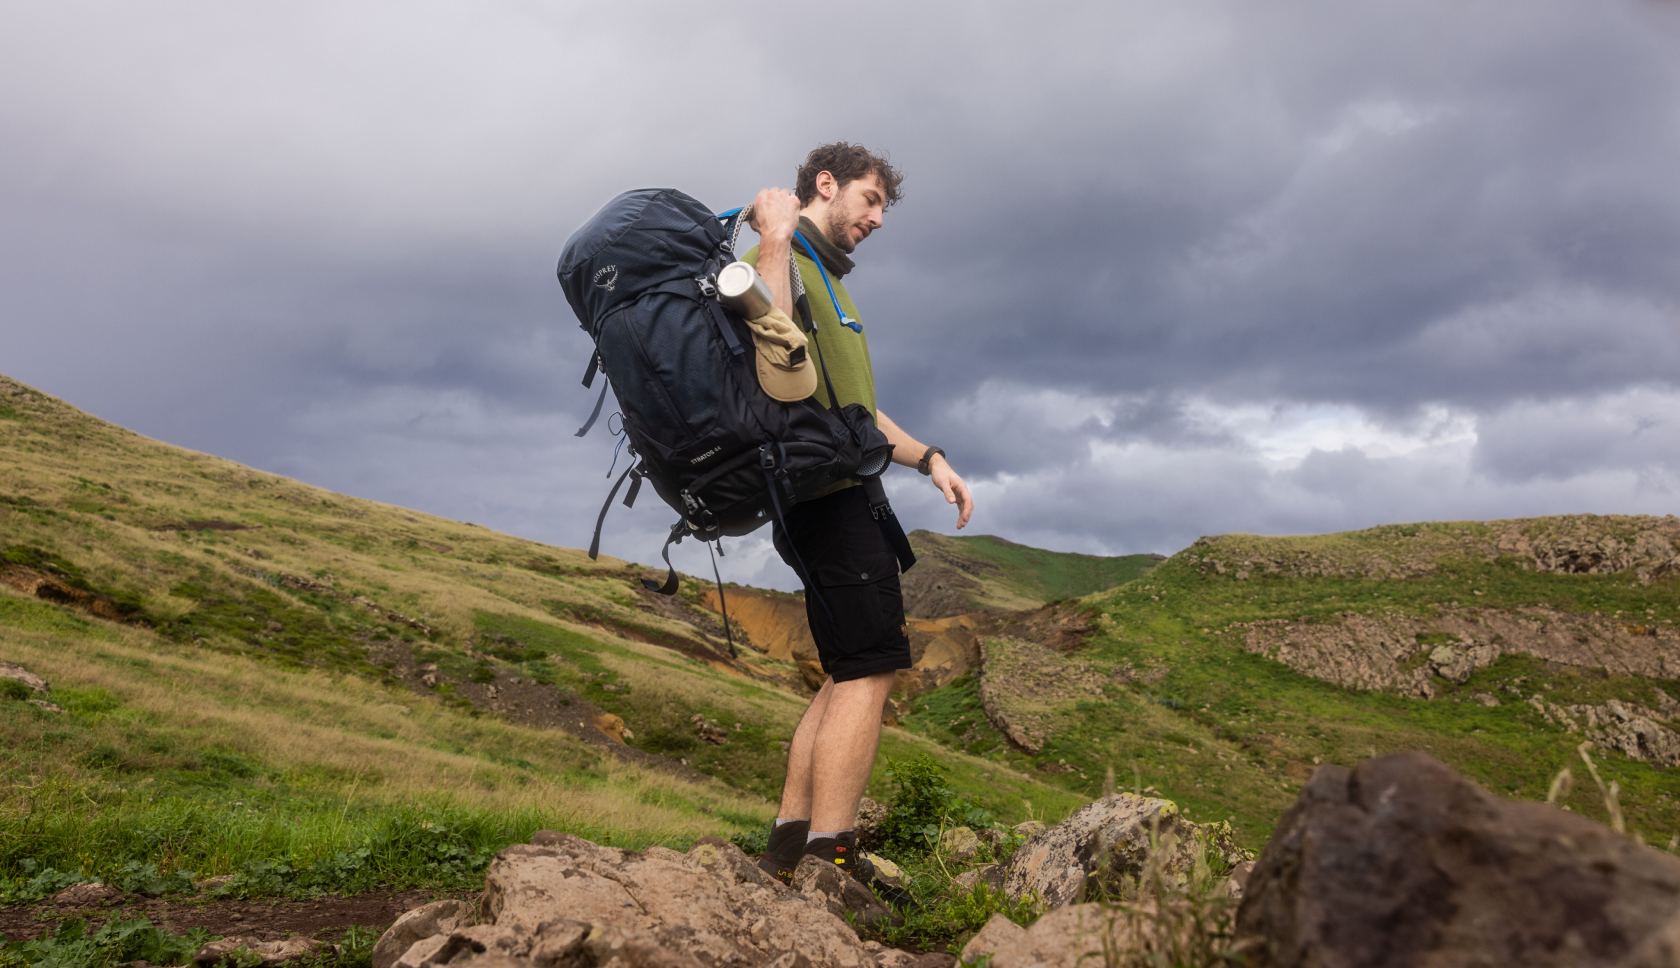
954, 488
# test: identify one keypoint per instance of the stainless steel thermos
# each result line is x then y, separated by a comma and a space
743, 291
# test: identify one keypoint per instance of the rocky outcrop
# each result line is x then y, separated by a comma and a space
17, 673
1575, 544
1401, 652
1022, 684
1401, 861
1111, 846
563, 901
1629, 728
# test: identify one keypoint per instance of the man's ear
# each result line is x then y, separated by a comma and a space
827, 186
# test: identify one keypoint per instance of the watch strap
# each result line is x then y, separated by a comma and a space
925, 465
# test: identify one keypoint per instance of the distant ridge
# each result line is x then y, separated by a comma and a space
980, 573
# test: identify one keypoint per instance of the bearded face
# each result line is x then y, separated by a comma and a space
855, 212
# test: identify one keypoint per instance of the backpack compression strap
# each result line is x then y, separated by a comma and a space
588, 378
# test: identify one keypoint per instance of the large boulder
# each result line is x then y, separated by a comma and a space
1401, 861
1107, 847
563, 901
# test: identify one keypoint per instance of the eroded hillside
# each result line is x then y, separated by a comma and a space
217, 637
1222, 677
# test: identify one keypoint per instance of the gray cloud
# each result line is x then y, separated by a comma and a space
320, 239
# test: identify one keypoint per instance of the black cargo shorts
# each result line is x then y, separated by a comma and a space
856, 574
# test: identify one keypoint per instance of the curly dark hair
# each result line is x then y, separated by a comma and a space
847, 163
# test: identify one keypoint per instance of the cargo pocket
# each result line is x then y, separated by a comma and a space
867, 611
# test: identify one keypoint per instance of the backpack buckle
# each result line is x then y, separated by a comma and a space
707, 287
766, 457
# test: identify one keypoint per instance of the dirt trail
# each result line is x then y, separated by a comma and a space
267, 919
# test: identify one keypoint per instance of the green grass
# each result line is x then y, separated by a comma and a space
1055, 575
1228, 734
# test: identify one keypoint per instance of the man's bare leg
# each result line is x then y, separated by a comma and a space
833, 750
796, 789
845, 750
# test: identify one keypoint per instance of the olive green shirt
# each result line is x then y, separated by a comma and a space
844, 352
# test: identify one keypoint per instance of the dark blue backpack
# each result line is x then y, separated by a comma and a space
720, 451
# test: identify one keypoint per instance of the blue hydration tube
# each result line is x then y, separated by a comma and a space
845, 320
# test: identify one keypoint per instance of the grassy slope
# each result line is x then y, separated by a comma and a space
1229, 734
1012, 576
244, 714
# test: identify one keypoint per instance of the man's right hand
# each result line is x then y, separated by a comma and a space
775, 215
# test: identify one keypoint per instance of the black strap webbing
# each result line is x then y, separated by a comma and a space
671, 581
881, 509
593, 414
595, 543
635, 488
724, 326
723, 609
594, 364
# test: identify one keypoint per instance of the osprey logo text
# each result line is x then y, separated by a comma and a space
606, 278
707, 454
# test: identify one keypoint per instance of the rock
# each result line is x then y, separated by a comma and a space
1237, 880
570, 902
998, 934
934, 959
1403, 861
610, 726
842, 893
959, 843
210, 884
438, 917
867, 826
1077, 936
1030, 828
1660, 949
886, 871
990, 875
894, 958
1382, 651
237, 951
1103, 848
43, 704
77, 895
559, 938
15, 672
1629, 728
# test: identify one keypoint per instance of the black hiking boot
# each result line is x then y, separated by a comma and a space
787, 845
842, 851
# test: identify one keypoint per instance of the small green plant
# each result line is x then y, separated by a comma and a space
919, 806
15, 690
117, 942
752, 842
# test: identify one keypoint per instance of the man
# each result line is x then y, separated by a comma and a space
842, 193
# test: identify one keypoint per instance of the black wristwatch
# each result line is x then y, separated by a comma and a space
925, 465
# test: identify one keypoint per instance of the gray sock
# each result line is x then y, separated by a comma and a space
780, 821
819, 834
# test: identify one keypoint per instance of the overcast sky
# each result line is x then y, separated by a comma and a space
1161, 270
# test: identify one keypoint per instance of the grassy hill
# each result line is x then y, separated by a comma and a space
329, 693
1223, 676
326, 693
961, 575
